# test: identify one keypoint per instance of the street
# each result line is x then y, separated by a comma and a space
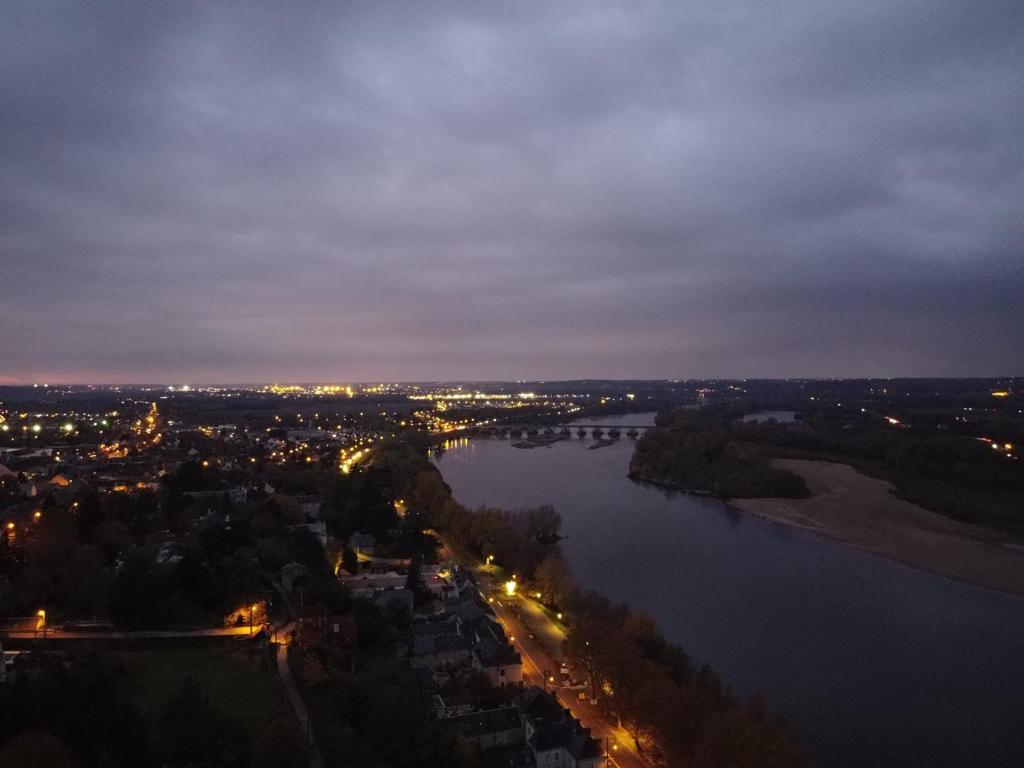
522, 616
55, 633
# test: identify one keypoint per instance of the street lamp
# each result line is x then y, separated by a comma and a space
41, 624
252, 609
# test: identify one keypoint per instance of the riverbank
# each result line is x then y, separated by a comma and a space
861, 511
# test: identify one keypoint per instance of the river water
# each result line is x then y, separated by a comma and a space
873, 663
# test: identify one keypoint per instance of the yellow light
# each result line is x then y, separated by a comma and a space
36, 428
41, 613
37, 515
10, 526
510, 588
1001, 393
559, 615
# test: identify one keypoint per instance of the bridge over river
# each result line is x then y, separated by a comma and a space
598, 431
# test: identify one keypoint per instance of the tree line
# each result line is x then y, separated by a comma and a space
700, 451
663, 698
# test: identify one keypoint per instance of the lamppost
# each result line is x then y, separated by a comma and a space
41, 613
252, 609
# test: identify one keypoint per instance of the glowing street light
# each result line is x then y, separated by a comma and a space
510, 587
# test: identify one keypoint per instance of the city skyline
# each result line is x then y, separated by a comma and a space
499, 192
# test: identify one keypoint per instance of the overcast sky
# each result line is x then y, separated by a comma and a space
485, 190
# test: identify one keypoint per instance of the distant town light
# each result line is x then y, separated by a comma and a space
36, 428
510, 587
69, 427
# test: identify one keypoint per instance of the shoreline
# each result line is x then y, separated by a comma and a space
892, 529
858, 511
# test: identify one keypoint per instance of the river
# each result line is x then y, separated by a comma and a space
873, 663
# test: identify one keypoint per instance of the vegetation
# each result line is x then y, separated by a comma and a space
699, 451
928, 461
367, 708
102, 556
663, 698
100, 711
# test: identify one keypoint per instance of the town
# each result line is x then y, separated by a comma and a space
201, 549
142, 526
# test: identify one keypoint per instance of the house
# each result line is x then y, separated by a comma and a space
492, 653
367, 585
489, 728
445, 652
59, 480
558, 739
440, 587
448, 626
362, 543
500, 662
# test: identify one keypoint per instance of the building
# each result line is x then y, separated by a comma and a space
489, 728
362, 543
558, 739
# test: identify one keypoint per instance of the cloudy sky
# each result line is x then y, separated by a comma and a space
376, 191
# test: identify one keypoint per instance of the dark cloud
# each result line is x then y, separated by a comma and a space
235, 192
